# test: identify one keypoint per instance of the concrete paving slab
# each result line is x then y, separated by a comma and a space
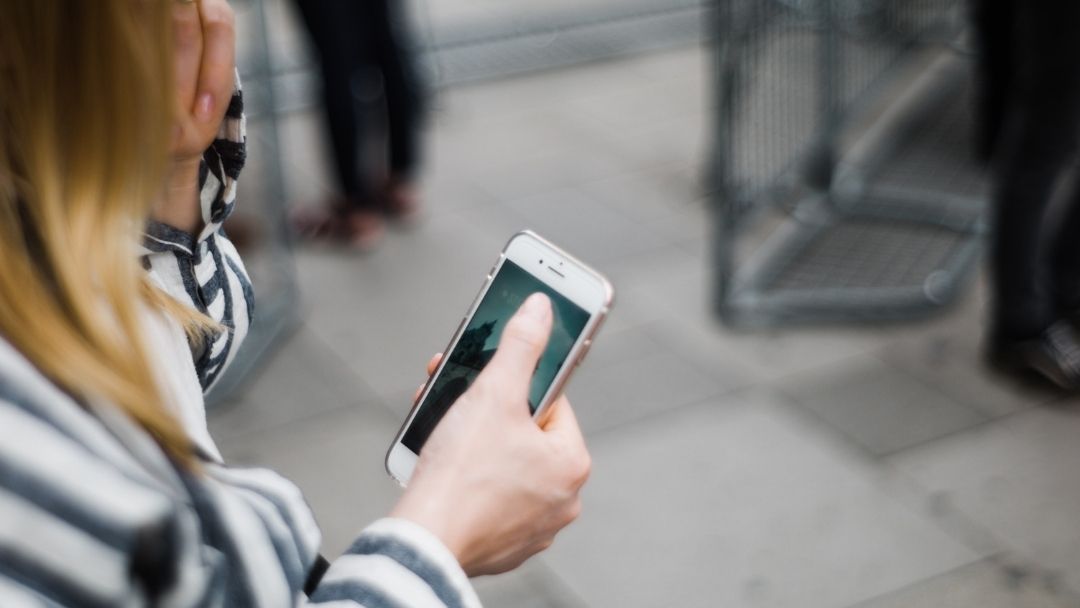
607, 397
531, 586
586, 228
986, 584
735, 503
1017, 479
304, 378
649, 196
337, 460
879, 408
953, 362
385, 314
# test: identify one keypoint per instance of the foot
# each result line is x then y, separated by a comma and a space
401, 200
364, 229
1054, 354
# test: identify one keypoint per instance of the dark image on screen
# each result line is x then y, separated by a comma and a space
480, 338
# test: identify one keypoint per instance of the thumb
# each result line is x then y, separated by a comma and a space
522, 342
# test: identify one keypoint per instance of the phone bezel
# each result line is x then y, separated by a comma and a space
557, 269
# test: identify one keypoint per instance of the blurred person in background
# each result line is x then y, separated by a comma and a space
121, 300
372, 98
1029, 110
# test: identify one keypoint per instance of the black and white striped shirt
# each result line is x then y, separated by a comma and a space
93, 514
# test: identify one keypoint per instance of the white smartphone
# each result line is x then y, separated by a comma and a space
580, 300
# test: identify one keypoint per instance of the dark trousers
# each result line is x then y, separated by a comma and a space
369, 73
1029, 75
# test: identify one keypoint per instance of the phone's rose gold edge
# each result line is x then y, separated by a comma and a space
438, 370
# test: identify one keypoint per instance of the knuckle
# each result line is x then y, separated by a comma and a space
578, 467
574, 511
219, 14
584, 467
521, 338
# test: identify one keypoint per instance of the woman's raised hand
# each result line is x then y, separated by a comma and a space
204, 34
204, 37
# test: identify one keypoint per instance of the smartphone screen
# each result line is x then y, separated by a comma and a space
508, 290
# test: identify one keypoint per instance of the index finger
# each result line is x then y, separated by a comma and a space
187, 39
561, 426
560, 420
217, 74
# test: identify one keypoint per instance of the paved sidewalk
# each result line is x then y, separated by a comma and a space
873, 467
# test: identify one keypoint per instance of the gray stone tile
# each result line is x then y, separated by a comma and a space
606, 397
303, 378
385, 314
639, 278
669, 285
881, 409
652, 197
530, 586
952, 361
637, 109
546, 170
1017, 479
487, 147
586, 228
337, 460
553, 89
677, 139
986, 584
615, 345
674, 300
734, 503
675, 65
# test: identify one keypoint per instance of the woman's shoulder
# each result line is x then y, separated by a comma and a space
25, 389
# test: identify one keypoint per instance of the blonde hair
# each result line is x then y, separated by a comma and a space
85, 122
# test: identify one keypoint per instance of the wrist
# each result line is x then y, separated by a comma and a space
180, 205
430, 515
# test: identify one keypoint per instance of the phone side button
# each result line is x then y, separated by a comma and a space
585, 345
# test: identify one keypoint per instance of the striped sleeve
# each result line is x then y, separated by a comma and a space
205, 271
74, 530
392, 563
92, 514
395, 562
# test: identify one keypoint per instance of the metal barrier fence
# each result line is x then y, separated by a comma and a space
851, 117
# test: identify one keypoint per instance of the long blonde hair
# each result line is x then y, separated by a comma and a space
86, 110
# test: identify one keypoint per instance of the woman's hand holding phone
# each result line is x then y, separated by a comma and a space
490, 483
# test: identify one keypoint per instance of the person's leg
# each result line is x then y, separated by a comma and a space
1066, 255
993, 30
1031, 161
1038, 146
339, 61
404, 93
348, 82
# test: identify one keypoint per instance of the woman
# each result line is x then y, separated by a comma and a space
111, 490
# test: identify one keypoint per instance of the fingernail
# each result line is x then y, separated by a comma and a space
536, 306
202, 108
